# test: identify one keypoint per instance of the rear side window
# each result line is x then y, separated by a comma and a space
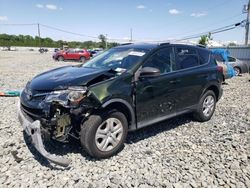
187, 57
204, 56
71, 51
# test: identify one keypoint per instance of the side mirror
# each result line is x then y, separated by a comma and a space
147, 72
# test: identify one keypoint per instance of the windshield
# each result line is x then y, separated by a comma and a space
118, 59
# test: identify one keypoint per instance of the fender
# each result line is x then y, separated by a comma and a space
130, 108
213, 84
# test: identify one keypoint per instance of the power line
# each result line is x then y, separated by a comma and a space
200, 28
214, 31
69, 32
19, 24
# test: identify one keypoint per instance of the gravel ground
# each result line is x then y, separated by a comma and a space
176, 153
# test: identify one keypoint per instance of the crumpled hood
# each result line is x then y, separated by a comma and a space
63, 77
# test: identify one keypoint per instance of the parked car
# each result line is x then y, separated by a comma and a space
221, 56
122, 89
239, 66
43, 50
94, 52
72, 54
56, 50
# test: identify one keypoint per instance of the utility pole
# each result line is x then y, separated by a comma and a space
131, 35
38, 29
247, 10
106, 41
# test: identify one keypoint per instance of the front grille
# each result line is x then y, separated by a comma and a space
32, 112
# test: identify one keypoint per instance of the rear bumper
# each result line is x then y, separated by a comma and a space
32, 128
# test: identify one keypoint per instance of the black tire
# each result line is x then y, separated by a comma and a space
60, 58
94, 123
82, 59
237, 71
200, 115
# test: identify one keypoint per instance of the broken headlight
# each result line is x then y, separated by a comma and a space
72, 96
76, 95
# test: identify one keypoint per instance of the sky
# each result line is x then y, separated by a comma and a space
150, 20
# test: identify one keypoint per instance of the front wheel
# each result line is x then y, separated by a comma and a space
60, 58
103, 135
206, 107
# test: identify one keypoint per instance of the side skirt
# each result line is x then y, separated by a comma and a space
160, 119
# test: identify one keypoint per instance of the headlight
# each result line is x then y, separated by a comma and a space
73, 95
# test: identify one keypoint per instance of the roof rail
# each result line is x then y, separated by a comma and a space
164, 43
128, 43
202, 46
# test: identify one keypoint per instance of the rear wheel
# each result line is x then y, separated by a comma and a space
206, 107
237, 71
60, 58
103, 135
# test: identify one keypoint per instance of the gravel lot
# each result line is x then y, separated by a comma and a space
176, 153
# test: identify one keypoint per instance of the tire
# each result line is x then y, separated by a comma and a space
82, 59
206, 107
237, 71
100, 140
60, 58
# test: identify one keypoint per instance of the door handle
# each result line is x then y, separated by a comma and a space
174, 81
203, 76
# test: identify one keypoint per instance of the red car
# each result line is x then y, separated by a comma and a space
72, 54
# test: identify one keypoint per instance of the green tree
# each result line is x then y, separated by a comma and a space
103, 41
232, 44
27, 40
205, 39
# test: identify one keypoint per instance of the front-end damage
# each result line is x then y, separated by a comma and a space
60, 116
58, 112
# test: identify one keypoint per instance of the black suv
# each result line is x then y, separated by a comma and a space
123, 89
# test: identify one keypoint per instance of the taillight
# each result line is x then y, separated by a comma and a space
219, 69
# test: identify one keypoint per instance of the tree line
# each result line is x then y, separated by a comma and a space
27, 40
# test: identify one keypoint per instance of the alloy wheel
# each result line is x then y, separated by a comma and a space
109, 134
208, 105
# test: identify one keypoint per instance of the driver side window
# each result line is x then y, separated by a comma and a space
163, 60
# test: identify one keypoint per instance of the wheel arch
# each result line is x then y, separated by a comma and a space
213, 88
238, 67
124, 107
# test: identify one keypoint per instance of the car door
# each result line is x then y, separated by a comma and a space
71, 54
193, 74
155, 96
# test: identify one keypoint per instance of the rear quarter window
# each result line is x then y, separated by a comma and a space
204, 56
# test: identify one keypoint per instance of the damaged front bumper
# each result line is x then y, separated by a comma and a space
32, 128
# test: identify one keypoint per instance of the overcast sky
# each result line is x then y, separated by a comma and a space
149, 19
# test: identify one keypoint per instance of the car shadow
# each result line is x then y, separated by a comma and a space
157, 128
74, 146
